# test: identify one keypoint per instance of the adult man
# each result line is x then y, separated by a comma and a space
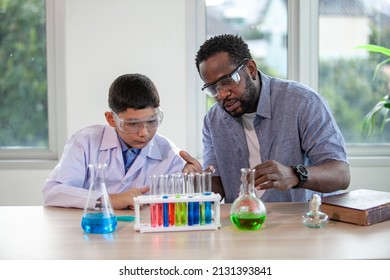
281, 128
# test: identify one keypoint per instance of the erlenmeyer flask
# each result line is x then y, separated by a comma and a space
247, 211
98, 217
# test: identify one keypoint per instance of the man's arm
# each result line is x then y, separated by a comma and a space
328, 177
217, 186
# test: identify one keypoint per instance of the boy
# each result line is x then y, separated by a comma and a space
129, 145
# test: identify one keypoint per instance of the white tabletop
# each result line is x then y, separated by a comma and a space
35, 232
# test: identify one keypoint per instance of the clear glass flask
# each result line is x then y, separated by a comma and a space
98, 216
248, 211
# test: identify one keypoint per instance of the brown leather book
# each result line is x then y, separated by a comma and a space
361, 207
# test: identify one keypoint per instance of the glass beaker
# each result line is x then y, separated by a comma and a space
98, 216
248, 211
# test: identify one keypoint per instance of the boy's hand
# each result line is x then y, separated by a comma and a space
126, 199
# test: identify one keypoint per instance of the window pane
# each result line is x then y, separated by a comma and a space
23, 80
346, 73
261, 23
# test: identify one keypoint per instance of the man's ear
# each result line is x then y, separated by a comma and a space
252, 68
110, 118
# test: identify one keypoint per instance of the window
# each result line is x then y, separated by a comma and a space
261, 23
314, 42
26, 132
345, 73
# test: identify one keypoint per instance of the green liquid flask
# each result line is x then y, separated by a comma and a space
248, 211
98, 216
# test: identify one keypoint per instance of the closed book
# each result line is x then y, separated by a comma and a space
361, 207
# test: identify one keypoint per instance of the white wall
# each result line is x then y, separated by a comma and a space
104, 39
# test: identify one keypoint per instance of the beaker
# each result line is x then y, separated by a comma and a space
98, 215
247, 211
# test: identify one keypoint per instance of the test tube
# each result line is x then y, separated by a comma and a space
180, 207
193, 207
156, 209
184, 206
164, 184
196, 191
171, 205
206, 185
200, 189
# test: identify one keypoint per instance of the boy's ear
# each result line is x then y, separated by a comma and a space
110, 118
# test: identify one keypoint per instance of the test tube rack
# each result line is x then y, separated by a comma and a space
150, 199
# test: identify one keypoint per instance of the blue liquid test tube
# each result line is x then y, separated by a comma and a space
164, 184
184, 205
199, 188
206, 184
193, 207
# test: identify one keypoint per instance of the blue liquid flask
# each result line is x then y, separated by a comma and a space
98, 215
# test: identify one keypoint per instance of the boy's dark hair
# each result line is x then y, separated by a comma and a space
232, 44
134, 91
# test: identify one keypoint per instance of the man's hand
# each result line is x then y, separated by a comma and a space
272, 174
330, 176
193, 165
126, 199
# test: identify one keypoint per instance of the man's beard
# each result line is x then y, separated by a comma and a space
247, 99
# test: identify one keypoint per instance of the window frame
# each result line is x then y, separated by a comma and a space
47, 158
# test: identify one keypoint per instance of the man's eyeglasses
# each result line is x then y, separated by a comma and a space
135, 126
226, 82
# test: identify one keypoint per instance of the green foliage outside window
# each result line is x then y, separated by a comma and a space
347, 86
23, 80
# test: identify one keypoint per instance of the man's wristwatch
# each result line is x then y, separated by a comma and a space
302, 175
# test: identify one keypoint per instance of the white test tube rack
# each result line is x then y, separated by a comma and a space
149, 199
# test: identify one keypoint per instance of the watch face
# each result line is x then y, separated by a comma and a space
302, 170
